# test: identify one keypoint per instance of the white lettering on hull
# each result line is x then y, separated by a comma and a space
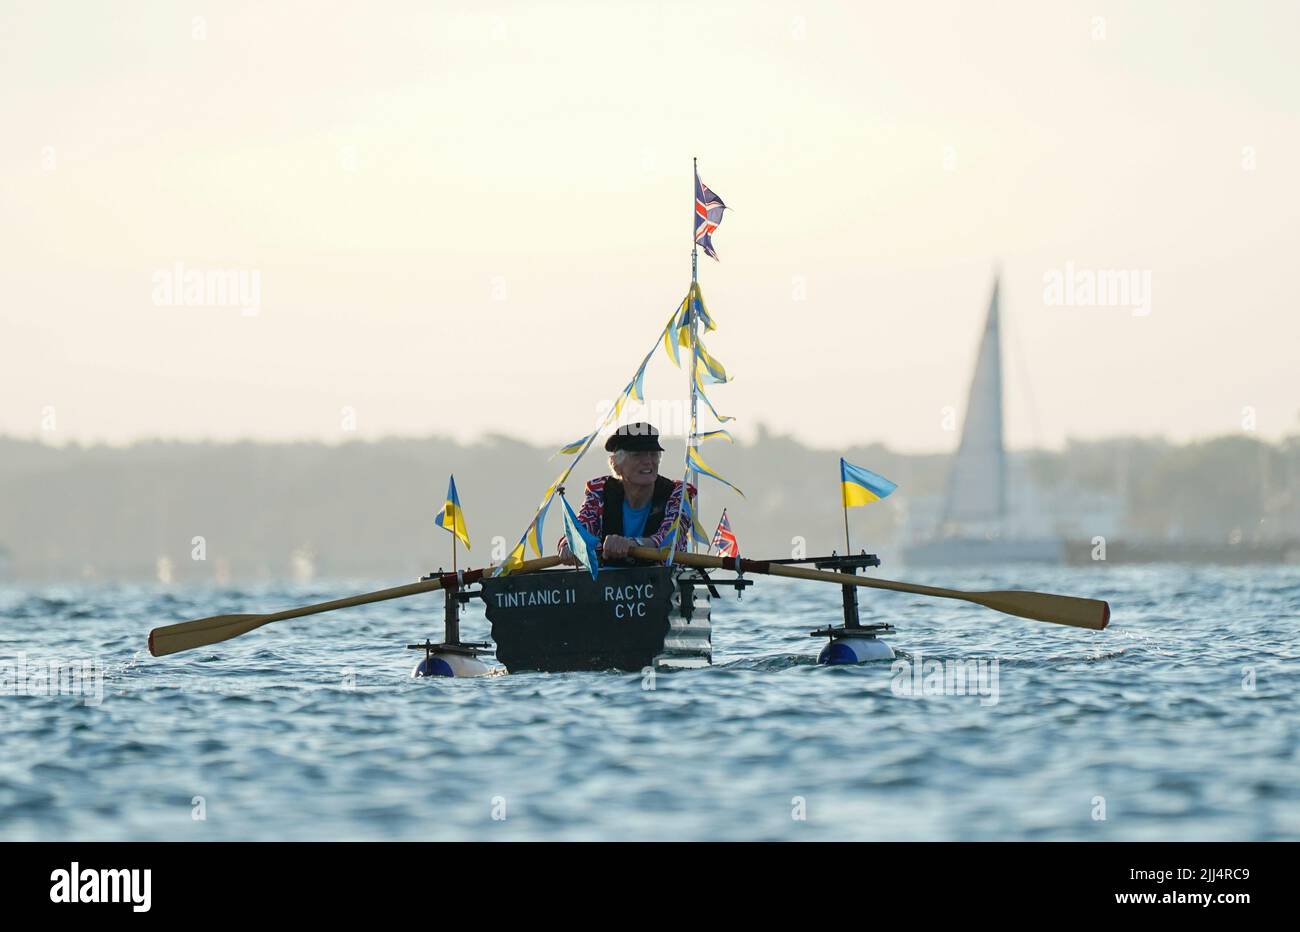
631, 600
540, 597
630, 592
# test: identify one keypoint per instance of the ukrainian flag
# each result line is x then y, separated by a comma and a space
451, 518
862, 486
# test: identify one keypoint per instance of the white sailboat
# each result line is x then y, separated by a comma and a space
976, 525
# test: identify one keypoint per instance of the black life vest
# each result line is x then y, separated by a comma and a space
612, 518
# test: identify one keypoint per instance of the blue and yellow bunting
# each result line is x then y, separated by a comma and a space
704, 469
700, 309
582, 543
699, 393
515, 559
698, 533
671, 542
571, 448
707, 367
535, 539
672, 335
636, 390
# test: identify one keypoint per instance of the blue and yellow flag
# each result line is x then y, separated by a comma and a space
451, 518
862, 486
582, 543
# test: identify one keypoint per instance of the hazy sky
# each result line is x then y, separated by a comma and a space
471, 218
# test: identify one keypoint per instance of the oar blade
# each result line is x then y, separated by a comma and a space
172, 639
1077, 612
1045, 606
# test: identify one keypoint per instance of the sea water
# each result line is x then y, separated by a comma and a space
1181, 721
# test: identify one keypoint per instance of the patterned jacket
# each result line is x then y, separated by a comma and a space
592, 515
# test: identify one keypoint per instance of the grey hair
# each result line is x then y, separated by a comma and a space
616, 461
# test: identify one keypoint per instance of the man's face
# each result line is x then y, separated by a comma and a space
641, 467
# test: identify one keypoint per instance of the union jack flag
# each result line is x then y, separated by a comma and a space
708, 214
724, 539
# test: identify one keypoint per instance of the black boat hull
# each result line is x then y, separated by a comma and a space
626, 619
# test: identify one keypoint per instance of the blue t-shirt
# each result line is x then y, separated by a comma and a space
634, 519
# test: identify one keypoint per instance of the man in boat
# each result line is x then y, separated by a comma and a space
634, 507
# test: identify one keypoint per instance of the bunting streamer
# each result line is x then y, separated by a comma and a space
698, 533
582, 544
720, 418
679, 326
535, 539
701, 309
636, 391
673, 334
698, 465
715, 434
573, 447
706, 365
515, 559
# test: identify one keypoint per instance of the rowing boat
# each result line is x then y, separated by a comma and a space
656, 613
626, 618
652, 616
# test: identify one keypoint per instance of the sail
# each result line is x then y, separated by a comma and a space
977, 483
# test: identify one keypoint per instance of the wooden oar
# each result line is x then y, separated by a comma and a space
186, 635
1040, 606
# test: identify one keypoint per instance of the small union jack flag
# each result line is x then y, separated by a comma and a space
708, 214
724, 539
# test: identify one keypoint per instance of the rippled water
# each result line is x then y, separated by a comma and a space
1179, 722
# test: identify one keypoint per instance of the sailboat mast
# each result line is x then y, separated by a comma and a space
995, 312
977, 491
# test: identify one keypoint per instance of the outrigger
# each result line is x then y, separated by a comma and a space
656, 614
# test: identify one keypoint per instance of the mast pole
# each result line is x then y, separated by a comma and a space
695, 247
695, 354
848, 548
